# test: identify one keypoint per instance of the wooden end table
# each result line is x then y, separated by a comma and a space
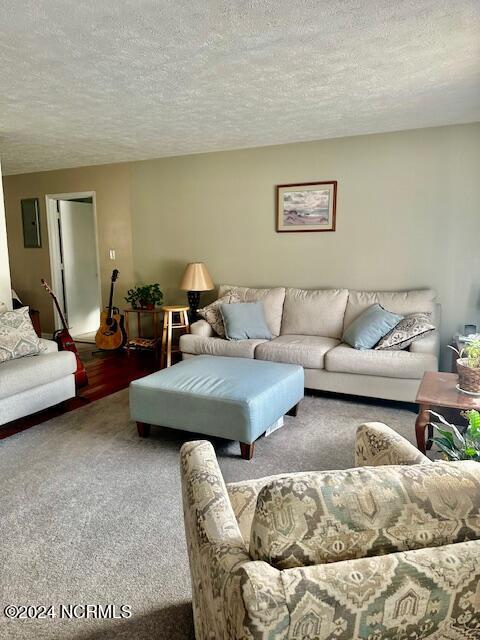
438, 389
139, 341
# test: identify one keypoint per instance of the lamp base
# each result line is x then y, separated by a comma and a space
193, 302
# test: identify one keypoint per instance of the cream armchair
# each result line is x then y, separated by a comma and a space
366, 553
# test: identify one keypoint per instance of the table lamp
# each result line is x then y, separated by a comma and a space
195, 279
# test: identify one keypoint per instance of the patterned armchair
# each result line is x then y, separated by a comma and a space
372, 553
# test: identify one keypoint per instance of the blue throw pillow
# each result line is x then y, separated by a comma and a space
243, 320
370, 327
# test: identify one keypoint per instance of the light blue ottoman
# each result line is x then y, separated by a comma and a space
234, 398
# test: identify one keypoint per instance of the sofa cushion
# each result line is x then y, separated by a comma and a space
317, 312
201, 345
307, 351
402, 302
272, 298
24, 373
422, 594
370, 326
389, 364
330, 516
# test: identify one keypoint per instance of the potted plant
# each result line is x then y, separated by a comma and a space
145, 296
468, 367
458, 446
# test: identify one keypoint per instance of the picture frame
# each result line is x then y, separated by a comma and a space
32, 238
306, 207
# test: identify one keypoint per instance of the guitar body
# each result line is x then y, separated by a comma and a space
65, 343
111, 335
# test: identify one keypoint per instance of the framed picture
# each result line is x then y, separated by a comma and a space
308, 206
31, 223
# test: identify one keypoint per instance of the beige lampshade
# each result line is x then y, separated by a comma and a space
196, 278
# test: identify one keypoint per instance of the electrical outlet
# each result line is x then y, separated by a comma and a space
112, 254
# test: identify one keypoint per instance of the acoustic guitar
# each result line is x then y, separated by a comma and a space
111, 334
65, 341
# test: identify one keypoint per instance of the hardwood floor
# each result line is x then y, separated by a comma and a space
107, 373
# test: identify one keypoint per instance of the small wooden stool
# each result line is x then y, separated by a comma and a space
168, 326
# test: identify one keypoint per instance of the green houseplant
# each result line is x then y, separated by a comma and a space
145, 296
468, 367
458, 446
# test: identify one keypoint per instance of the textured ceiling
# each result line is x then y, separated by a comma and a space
86, 82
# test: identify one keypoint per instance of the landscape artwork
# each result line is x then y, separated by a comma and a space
306, 206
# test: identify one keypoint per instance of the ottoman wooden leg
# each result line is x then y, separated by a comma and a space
247, 450
143, 429
293, 411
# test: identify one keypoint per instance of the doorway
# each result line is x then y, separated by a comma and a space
73, 243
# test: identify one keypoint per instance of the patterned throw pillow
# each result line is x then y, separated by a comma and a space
17, 335
411, 328
213, 315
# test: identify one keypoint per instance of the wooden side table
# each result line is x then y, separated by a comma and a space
439, 390
139, 341
169, 325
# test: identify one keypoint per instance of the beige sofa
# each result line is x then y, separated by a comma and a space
381, 552
34, 383
307, 327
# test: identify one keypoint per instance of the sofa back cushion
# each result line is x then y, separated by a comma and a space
330, 516
272, 302
316, 312
402, 302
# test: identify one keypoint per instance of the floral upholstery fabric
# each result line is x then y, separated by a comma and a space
340, 515
428, 593
212, 313
377, 444
243, 498
421, 594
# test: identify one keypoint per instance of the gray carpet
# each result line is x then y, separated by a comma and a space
90, 513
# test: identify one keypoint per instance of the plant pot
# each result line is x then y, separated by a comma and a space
468, 378
148, 306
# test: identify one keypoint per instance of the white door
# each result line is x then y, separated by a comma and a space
79, 259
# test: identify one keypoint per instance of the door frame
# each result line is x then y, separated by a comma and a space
54, 245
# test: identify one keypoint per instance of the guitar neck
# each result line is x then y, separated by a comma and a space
60, 313
57, 306
110, 301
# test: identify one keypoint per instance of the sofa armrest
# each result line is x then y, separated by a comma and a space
376, 444
201, 328
216, 548
48, 346
429, 344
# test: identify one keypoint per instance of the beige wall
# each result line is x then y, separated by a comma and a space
111, 184
408, 215
5, 287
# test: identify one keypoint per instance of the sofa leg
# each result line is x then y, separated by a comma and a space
247, 450
143, 429
293, 411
